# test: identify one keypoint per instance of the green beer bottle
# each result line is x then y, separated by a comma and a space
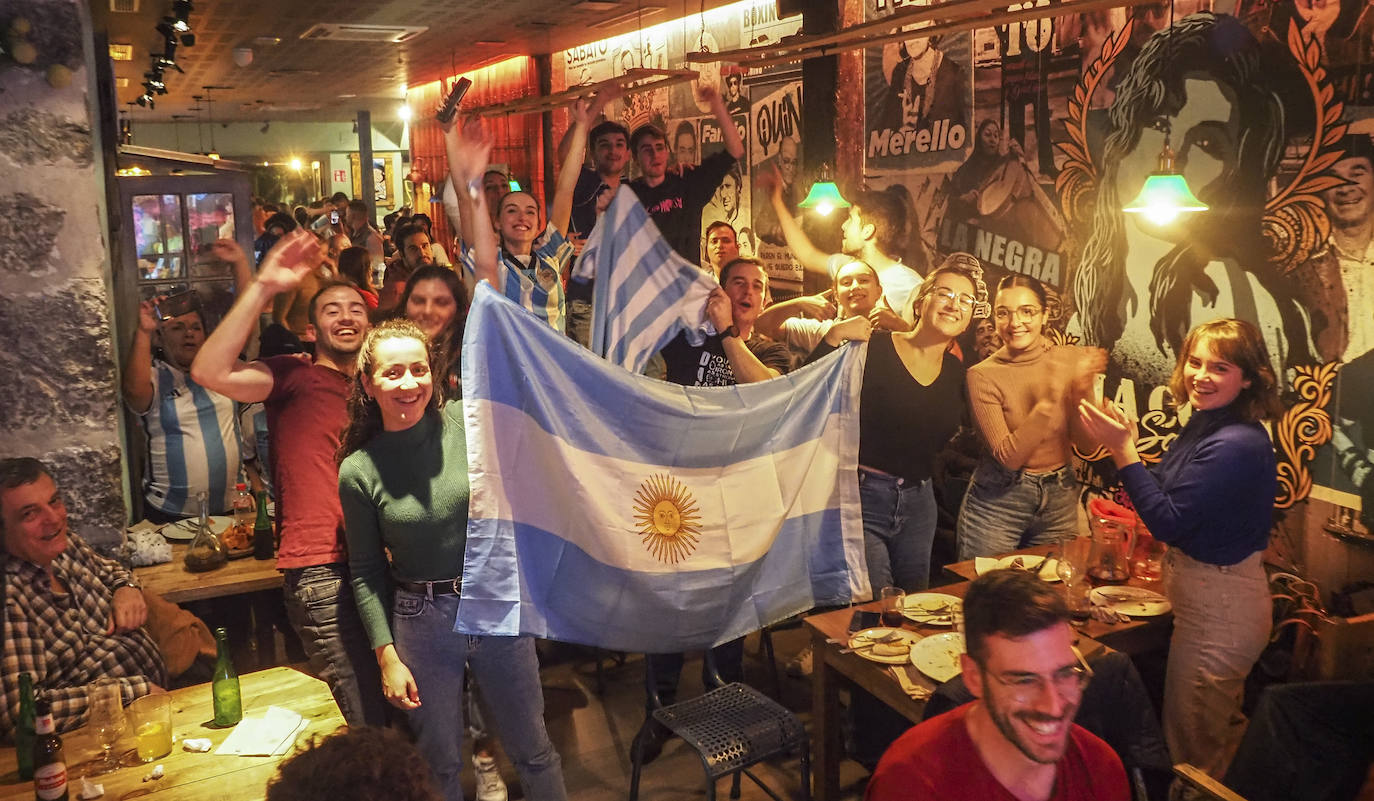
225, 685
23, 728
263, 537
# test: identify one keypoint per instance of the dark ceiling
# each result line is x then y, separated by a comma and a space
329, 80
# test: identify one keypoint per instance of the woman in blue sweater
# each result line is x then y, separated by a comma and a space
1211, 498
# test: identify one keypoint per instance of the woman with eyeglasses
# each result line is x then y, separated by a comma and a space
1023, 398
910, 405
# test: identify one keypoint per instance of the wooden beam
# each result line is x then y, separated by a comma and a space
955, 8
953, 26
632, 82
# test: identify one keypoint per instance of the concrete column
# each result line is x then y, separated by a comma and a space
59, 399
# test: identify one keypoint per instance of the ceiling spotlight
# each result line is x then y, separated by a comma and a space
154, 81
404, 113
171, 31
181, 9
146, 100
164, 61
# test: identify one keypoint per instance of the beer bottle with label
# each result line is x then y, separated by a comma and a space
49, 763
225, 684
262, 530
23, 728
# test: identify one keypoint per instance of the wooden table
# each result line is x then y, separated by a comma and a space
190, 776
831, 667
174, 582
1139, 635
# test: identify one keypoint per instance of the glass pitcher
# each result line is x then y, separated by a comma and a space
1110, 559
206, 551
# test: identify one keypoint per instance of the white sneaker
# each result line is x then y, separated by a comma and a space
489, 784
800, 666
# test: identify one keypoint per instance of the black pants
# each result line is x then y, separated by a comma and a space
668, 669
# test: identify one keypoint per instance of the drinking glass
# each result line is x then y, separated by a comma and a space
891, 598
105, 709
152, 722
1072, 570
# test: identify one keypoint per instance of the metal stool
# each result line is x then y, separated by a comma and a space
732, 728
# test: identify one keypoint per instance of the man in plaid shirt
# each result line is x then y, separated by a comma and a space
71, 616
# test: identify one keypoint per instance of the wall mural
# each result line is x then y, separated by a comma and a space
1270, 114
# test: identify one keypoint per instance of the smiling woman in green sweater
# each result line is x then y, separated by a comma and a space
403, 484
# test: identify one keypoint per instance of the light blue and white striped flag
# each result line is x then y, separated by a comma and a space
645, 292
618, 511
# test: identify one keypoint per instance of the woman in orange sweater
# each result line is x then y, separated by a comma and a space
1023, 398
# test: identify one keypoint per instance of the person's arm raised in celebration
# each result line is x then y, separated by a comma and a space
808, 255
138, 364
582, 112
729, 133
217, 366
468, 148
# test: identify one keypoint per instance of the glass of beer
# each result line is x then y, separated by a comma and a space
152, 719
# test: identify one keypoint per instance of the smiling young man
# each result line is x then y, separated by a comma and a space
675, 199
738, 354
856, 292
1017, 741
306, 404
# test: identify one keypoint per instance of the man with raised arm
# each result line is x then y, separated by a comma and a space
306, 404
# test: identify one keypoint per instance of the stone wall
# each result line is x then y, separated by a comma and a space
58, 396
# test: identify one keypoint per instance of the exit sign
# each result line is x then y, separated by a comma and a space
340, 176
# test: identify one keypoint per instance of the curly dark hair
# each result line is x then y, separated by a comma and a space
364, 417
359, 763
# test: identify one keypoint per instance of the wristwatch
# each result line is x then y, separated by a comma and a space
125, 583
732, 331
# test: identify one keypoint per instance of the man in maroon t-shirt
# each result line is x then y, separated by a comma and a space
1018, 740
306, 405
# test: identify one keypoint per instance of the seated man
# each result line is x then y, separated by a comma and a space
193, 436
71, 616
1018, 740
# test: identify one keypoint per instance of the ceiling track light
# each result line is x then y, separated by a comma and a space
172, 31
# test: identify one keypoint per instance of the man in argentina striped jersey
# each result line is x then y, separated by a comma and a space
191, 431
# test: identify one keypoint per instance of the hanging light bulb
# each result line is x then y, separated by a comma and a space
824, 196
1165, 194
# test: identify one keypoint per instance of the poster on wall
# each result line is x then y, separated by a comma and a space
917, 95
775, 144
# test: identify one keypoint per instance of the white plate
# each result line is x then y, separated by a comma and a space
931, 608
185, 530
937, 656
1047, 570
1132, 601
868, 636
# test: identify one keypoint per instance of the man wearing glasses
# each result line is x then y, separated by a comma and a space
1017, 739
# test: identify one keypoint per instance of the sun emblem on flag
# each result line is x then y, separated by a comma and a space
668, 519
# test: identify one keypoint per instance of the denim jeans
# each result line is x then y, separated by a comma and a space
320, 606
507, 670
1222, 616
899, 529
579, 321
1004, 510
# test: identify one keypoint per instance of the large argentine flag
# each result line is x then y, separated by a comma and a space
645, 292
623, 512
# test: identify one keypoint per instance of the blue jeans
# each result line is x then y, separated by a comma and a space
1004, 510
899, 529
507, 670
319, 604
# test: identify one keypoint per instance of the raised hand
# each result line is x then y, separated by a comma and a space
147, 315
288, 262
471, 151
853, 329
580, 112
718, 310
227, 250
